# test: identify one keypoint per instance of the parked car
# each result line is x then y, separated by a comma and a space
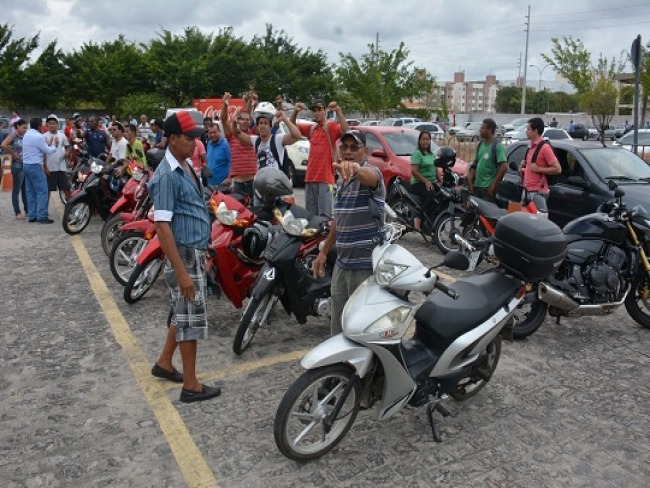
550, 133
399, 121
353, 122
610, 133
298, 153
5, 127
390, 149
370, 122
580, 131
619, 131
457, 128
470, 132
643, 141
515, 123
435, 130
583, 184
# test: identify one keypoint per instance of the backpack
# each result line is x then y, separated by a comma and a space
284, 164
550, 179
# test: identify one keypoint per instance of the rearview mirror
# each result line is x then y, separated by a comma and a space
456, 260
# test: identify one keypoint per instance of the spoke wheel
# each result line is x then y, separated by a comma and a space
124, 253
142, 279
480, 374
441, 230
299, 428
76, 217
637, 303
110, 230
255, 315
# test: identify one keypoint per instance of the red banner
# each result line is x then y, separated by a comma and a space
211, 107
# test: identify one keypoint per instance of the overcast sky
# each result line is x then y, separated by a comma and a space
443, 36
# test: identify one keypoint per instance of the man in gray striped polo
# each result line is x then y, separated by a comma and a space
358, 221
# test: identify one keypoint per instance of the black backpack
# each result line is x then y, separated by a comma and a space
550, 179
284, 164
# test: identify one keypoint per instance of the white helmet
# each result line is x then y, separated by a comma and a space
266, 110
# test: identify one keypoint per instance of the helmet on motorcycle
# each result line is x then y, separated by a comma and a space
445, 157
254, 240
271, 183
266, 110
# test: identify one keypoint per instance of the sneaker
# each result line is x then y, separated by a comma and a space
46, 221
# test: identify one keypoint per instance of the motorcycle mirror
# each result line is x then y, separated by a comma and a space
618, 193
456, 260
611, 184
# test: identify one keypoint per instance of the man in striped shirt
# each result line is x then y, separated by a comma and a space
244, 159
358, 221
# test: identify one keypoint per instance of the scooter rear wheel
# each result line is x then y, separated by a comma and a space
480, 374
76, 217
299, 428
528, 318
255, 315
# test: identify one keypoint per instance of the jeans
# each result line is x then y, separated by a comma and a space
19, 186
37, 193
344, 283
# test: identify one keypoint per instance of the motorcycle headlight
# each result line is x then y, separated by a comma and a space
225, 216
95, 168
386, 272
81, 176
292, 225
389, 321
303, 150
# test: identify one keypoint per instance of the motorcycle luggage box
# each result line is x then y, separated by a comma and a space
530, 246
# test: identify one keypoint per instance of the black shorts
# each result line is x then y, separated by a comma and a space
58, 180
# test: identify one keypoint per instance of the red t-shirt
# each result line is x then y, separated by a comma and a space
244, 161
199, 149
319, 164
537, 181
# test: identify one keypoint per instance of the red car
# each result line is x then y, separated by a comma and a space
390, 149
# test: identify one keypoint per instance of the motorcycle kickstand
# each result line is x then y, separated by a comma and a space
431, 408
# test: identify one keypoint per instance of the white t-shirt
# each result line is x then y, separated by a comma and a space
265, 155
118, 148
56, 161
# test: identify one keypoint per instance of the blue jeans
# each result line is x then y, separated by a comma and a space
36, 186
19, 186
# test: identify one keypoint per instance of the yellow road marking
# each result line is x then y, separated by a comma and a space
193, 465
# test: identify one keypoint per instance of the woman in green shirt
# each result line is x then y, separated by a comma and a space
424, 174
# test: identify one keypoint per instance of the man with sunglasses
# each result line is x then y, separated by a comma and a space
359, 219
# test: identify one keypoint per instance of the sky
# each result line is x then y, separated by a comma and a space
442, 36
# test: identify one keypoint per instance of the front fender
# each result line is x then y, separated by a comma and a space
153, 250
339, 349
266, 279
82, 196
120, 206
143, 226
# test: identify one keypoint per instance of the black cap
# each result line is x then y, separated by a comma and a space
317, 102
357, 135
183, 123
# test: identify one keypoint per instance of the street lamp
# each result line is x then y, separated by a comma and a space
541, 72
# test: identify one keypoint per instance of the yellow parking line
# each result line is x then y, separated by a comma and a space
193, 465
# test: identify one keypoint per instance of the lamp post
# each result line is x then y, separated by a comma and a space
541, 72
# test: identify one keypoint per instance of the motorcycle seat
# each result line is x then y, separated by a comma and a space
488, 209
479, 297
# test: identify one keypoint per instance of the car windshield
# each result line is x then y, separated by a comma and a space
387, 122
618, 164
404, 143
555, 134
628, 139
473, 126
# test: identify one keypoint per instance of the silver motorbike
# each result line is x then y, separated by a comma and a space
395, 352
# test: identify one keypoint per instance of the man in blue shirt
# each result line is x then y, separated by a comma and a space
95, 138
218, 156
183, 228
34, 147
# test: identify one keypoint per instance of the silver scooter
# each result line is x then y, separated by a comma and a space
395, 352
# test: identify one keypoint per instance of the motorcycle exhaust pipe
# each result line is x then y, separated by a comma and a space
555, 298
460, 240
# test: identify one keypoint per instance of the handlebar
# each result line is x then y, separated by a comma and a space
446, 290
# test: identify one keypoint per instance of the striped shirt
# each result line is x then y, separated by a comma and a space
244, 159
178, 200
356, 229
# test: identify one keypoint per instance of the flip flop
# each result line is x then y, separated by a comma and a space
174, 375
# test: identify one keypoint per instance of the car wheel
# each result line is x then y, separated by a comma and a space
584, 137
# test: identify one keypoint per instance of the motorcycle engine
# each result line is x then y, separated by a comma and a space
603, 278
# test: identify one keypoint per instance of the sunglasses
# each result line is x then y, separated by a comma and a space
349, 147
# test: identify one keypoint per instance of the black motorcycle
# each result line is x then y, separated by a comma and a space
287, 275
100, 190
606, 266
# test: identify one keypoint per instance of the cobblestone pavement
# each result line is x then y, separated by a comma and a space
569, 406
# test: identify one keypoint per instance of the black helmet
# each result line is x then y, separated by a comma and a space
445, 157
271, 183
254, 240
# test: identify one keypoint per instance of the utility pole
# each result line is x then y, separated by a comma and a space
523, 88
519, 67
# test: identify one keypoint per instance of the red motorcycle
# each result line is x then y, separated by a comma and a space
132, 239
132, 204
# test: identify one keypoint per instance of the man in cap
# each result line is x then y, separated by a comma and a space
56, 164
183, 227
319, 179
358, 222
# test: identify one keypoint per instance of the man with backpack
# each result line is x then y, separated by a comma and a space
488, 168
539, 164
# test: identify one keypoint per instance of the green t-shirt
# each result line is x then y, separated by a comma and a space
425, 163
137, 145
486, 168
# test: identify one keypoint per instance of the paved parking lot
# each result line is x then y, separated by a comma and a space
570, 406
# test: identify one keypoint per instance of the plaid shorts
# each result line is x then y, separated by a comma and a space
189, 317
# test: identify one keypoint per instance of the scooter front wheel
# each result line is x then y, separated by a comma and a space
76, 217
142, 279
110, 230
124, 253
480, 374
255, 315
299, 428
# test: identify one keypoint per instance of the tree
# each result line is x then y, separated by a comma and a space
508, 100
42, 82
13, 55
379, 80
600, 103
571, 60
